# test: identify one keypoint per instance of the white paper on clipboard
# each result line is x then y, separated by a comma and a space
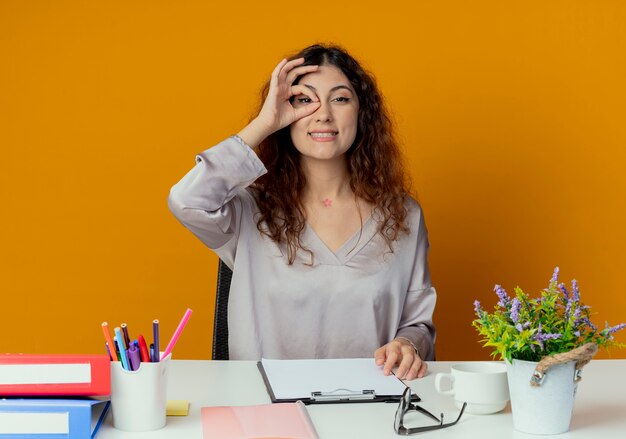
298, 379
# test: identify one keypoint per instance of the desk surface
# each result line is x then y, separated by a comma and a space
599, 411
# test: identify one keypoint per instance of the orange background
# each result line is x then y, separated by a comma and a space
511, 114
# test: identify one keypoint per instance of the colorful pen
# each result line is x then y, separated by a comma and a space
124, 327
179, 330
120, 343
143, 349
155, 331
117, 348
107, 337
133, 356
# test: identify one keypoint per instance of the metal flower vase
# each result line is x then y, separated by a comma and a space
543, 409
542, 393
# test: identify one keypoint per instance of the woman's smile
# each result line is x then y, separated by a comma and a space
323, 136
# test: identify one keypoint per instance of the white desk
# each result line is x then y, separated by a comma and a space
599, 412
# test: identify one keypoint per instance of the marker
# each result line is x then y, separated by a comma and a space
133, 356
179, 330
107, 337
120, 344
143, 349
124, 327
117, 348
106, 346
155, 333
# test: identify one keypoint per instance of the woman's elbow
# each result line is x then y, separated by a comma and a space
176, 204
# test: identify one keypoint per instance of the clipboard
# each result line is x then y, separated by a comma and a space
325, 381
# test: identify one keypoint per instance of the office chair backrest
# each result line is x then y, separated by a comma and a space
220, 323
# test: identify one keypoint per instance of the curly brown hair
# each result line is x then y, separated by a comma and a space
374, 162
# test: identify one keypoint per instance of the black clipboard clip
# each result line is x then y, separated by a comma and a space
343, 395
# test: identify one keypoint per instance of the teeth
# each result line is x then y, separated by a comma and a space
323, 134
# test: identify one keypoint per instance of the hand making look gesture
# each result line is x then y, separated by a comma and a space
277, 111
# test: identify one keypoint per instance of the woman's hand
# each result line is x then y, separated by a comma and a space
400, 351
277, 111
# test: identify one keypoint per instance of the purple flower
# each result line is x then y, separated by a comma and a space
545, 337
502, 295
540, 337
477, 309
577, 333
575, 292
564, 291
519, 327
568, 308
616, 328
588, 322
555, 275
576, 315
516, 305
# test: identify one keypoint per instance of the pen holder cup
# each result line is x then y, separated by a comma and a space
139, 398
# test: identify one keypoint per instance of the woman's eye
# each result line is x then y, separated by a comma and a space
304, 100
342, 99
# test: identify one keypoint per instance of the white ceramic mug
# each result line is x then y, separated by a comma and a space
483, 385
139, 398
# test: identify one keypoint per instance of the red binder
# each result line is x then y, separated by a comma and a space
54, 375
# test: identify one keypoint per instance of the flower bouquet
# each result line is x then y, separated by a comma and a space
528, 329
545, 341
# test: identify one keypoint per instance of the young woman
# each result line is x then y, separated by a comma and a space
308, 206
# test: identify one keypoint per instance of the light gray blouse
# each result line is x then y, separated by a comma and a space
346, 304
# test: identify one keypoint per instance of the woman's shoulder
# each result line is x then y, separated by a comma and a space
413, 211
413, 207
